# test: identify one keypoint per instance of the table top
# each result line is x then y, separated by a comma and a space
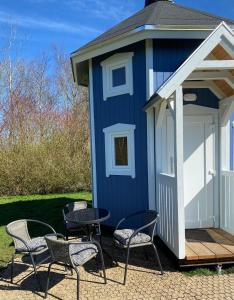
88, 216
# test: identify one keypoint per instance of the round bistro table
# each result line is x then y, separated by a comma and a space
89, 217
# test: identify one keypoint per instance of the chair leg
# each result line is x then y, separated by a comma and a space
48, 279
113, 254
103, 266
146, 253
157, 257
12, 266
35, 271
78, 284
126, 266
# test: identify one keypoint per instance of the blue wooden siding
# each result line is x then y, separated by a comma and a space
204, 98
122, 194
169, 55
232, 142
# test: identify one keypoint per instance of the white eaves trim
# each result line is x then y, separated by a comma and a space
112, 63
111, 132
139, 34
222, 33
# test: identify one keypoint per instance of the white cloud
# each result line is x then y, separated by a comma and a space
30, 22
111, 10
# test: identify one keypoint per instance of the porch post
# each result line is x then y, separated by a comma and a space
179, 162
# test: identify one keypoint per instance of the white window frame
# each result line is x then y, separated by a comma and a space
112, 63
112, 132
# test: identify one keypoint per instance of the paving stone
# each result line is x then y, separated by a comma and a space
144, 282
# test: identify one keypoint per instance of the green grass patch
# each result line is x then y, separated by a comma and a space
46, 208
208, 271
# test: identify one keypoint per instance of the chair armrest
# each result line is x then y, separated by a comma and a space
140, 229
42, 223
57, 235
21, 240
121, 221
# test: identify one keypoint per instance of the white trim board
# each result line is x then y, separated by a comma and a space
139, 34
150, 124
92, 134
221, 33
223, 75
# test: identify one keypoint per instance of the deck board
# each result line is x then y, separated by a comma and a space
222, 240
209, 244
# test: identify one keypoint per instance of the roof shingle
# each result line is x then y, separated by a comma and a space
160, 13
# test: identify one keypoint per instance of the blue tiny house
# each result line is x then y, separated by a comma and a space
161, 89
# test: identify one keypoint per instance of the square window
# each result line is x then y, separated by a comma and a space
121, 151
119, 77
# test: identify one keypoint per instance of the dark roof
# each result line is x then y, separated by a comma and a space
160, 13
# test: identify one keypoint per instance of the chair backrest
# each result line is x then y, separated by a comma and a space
19, 229
59, 250
76, 205
144, 221
151, 218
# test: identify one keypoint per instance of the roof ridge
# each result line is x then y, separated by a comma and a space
200, 11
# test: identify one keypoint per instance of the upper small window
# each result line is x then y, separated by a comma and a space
117, 75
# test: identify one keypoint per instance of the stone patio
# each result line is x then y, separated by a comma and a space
144, 282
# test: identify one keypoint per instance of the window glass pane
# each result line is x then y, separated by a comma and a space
121, 151
119, 77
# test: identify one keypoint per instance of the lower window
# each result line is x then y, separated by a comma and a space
120, 150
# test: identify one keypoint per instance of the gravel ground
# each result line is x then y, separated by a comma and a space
144, 282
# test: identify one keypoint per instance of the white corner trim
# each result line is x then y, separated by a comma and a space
149, 68
111, 132
92, 134
196, 58
112, 63
179, 174
150, 124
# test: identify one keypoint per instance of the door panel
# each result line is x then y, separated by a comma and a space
198, 171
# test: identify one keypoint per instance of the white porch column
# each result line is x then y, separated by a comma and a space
179, 163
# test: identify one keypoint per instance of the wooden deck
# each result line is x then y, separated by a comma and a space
208, 246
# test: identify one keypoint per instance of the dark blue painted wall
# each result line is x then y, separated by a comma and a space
169, 55
232, 142
122, 194
204, 98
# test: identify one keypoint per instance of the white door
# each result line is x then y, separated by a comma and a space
199, 171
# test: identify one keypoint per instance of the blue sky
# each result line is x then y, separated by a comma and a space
71, 23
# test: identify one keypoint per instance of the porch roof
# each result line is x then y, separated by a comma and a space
211, 66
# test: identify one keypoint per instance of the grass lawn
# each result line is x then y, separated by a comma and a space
46, 208
208, 271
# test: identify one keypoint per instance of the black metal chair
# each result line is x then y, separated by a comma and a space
127, 238
26, 245
73, 228
72, 255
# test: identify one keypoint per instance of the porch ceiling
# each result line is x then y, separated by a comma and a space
222, 79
